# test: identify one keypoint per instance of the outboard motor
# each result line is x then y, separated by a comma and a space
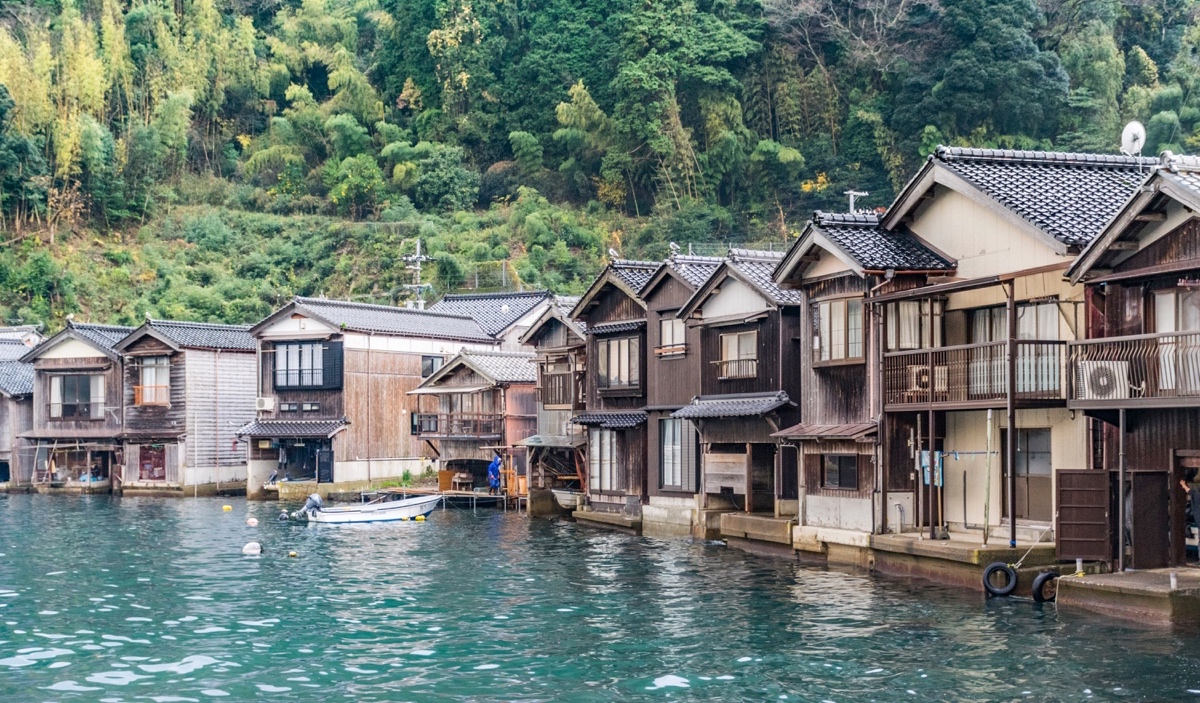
312, 505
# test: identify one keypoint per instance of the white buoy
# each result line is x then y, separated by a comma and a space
252, 522
252, 549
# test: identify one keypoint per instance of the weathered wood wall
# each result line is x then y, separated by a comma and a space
158, 421
110, 426
220, 400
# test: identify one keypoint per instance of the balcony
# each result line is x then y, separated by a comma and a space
975, 376
1148, 370
732, 369
458, 425
151, 395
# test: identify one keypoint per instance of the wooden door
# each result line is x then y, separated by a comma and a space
324, 465
1149, 522
1084, 524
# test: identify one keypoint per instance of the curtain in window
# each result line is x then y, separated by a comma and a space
909, 324
671, 440
96, 384
854, 329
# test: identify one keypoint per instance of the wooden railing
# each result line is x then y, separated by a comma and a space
975, 374
466, 425
1146, 369
737, 368
151, 395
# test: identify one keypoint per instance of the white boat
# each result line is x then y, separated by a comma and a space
567, 500
377, 511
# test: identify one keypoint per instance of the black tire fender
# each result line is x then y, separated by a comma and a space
1039, 587
1010, 584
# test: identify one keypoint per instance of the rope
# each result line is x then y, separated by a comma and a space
1035, 544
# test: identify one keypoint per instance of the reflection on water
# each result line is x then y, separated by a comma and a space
108, 599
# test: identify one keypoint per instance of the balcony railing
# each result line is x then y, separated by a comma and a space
455, 425
1148, 369
76, 411
975, 375
151, 395
736, 368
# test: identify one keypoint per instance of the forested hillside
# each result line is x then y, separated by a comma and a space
207, 159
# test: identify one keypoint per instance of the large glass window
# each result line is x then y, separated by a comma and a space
618, 363
155, 388
838, 330
914, 324
299, 365
739, 355
77, 396
1033, 453
602, 460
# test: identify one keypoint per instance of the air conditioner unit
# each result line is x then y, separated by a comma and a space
919, 379
1102, 380
264, 404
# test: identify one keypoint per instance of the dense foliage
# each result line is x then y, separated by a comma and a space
209, 158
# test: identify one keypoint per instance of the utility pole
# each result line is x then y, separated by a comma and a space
853, 194
414, 262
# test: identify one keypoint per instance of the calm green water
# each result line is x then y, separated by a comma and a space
105, 599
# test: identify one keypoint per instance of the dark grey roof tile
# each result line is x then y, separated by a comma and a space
611, 420
16, 378
291, 428
386, 319
874, 248
734, 405
204, 335
495, 312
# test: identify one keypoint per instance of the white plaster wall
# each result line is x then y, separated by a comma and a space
841, 513
257, 473
412, 345
379, 469
735, 298
905, 499
203, 475
297, 327
826, 266
71, 349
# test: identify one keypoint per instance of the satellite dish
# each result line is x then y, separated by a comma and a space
1133, 138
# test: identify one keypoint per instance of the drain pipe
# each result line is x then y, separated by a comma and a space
900, 515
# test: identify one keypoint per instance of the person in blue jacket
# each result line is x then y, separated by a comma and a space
493, 476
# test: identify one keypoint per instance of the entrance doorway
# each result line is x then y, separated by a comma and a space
1034, 475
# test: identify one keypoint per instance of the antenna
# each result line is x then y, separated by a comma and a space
1133, 138
852, 194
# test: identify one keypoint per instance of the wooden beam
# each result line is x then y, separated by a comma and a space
1123, 246
1151, 217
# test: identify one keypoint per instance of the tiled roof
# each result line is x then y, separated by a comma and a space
20, 331
635, 274
291, 428
611, 420
103, 336
203, 335
733, 405
617, 327
876, 249
758, 267
1069, 196
495, 312
365, 317
810, 431
12, 349
696, 270
16, 378
505, 367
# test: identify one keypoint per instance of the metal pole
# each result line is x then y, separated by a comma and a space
932, 433
917, 482
1010, 393
1121, 516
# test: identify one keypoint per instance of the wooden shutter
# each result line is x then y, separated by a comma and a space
866, 473
1083, 530
172, 463
690, 456
331, 361
812, 471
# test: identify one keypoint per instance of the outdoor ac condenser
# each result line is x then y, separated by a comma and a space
1103, 380
264, 404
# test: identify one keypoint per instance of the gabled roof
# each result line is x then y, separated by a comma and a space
193, 335
753, 268
692, 271
560, 313
863, 245
11, 349
16, 378
1174, 178
102, 337
1064, 198
627, 276
381, 319
733, 405
495, 312
20, 332
497, 367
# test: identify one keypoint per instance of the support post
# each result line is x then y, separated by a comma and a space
1010, 401
933, 503
1121, 516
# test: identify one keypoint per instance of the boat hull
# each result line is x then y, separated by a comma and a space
568, 500
397, 510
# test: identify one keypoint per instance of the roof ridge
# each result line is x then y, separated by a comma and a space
499, 352
1062, 158
635, 263
380, 307
486, 296
848, 218
207, 325
754, 255
99, 325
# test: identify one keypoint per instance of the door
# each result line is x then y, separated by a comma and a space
152, 462
1083, 518
1149, 522
324, 466
1035, 475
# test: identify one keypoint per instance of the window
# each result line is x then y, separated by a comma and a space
1033, 453
430, 365
1034, 321
310, 407
618, 363
299, 365
838, 331
739, 355
671, 340
77, 397
155, 388
602, 460
557, 387
840, 472
914, 324
288, 407
677, 454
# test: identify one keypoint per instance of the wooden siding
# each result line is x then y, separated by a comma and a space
331, 401
1151, 436
553, 334
812, 457
1179, 245
157, 421
220, 400
379, 407
834, 395
672, 380
110, 426
768, 366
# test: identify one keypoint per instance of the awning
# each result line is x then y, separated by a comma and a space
446, 390
612, 420
617, 327
851, 431
733, 405
558, 441
292, 428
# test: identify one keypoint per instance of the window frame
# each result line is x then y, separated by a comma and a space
603, 457
677, 345
298, 353
434, 362
826, 340
725, 363
160, 367
565, 399
930, 324
95, 397
841, 470
627, 350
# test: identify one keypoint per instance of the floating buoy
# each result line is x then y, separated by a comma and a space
403, 519
226, 508
283, 515
252, 522
420, 518
252, 549
293, 555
